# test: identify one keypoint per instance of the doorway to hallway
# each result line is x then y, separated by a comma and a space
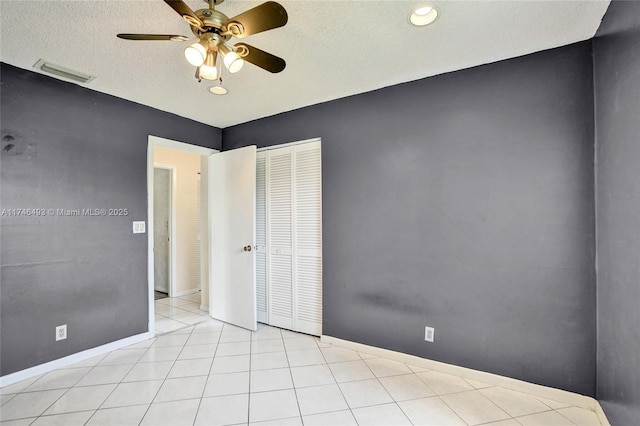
177, 236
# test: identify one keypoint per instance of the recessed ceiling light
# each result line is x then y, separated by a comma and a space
218, 90
423, 15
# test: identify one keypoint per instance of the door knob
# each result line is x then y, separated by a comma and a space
247, 248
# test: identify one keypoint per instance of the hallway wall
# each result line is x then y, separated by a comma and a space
187, 169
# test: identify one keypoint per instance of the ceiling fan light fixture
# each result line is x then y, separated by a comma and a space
195, 54
423, 15
213, 29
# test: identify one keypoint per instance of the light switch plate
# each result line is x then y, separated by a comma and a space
139, 227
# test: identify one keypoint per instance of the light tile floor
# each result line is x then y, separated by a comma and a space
174, 313
213, 373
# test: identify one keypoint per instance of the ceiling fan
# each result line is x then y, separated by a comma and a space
213, 29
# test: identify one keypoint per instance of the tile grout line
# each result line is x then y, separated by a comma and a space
43, 411
174, 307
75, 386
164, 380
64, 393
385, 389
549, 409
195, 418
338, 384
249, 384
293, 383
117, 384
471, 390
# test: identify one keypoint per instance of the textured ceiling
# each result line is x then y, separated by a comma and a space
333, 49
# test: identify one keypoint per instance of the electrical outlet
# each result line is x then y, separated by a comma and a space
61, 332
429, 334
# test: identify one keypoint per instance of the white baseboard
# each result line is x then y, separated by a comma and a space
204, 308
72, 359
476, 375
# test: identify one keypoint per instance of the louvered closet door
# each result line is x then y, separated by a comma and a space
307, 239
261, 236
289, 237
279, 237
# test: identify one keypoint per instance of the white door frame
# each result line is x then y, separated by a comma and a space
155, 141
172, 226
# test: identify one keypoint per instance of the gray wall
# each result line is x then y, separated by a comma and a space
68, 147
463, 202
617, 94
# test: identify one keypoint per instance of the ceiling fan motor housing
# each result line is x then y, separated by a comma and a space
212, 21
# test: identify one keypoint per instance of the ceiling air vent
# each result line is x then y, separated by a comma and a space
63, 72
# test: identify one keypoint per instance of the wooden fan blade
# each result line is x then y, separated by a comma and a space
155, 37
261, 59
261, 18
185, 11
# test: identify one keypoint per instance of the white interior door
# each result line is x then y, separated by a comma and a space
232, 209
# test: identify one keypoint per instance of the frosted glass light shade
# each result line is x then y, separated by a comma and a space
208, 72
195, 54
233, 62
